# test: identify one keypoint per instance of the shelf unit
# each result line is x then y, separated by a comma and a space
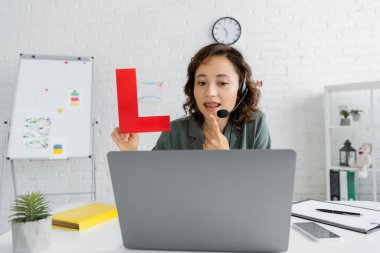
353, 96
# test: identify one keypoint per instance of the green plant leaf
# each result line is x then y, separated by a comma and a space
30, 207
355, 111
344, 113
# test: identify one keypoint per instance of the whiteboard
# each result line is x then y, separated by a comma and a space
51, 117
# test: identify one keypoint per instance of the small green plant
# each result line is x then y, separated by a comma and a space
355, 112
345, 113
30, 207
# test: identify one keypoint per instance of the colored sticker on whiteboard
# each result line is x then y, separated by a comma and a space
74, 100
58, 148
36, 132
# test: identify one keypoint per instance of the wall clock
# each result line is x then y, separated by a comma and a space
226, 30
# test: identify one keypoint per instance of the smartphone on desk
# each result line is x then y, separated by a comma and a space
316, 232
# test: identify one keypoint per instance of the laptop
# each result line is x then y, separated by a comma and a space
196, 200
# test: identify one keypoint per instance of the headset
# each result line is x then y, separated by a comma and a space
243, 90
223, 113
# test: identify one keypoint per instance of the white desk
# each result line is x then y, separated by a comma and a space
106, 237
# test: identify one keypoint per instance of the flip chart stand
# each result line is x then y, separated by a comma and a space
3, 162
13, 173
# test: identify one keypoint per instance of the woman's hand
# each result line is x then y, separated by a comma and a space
214, 138
125, 142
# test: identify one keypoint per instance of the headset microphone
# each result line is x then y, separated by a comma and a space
223, 113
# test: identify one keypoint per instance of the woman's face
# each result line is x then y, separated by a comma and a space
216, 85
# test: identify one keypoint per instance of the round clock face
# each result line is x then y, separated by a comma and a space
226, 30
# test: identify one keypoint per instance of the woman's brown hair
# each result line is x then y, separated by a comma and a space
250, 101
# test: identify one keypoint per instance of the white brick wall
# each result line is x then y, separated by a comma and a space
296, 47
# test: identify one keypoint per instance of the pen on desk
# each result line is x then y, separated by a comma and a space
338, 212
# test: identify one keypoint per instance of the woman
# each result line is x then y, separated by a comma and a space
218, 79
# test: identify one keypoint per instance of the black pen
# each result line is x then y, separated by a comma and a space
338, 212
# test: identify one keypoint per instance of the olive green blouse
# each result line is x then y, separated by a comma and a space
187, 134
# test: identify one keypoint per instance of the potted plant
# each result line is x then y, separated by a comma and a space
31, 223
355, 114
345, 121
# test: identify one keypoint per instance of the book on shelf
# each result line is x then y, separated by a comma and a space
342, 185
351, 185
334, 185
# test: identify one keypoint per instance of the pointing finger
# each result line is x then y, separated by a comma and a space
213, 123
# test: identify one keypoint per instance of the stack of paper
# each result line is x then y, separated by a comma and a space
367, 222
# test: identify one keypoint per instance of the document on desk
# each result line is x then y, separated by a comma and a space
367, 222
84, 217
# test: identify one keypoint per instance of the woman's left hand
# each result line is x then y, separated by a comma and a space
214, 138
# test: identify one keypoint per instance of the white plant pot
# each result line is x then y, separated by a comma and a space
31, 237
345, 122
356, 117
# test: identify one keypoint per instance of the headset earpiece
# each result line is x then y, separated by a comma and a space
243, 88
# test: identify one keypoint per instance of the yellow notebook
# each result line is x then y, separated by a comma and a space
84, 217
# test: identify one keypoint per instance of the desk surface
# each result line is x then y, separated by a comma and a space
106, 237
